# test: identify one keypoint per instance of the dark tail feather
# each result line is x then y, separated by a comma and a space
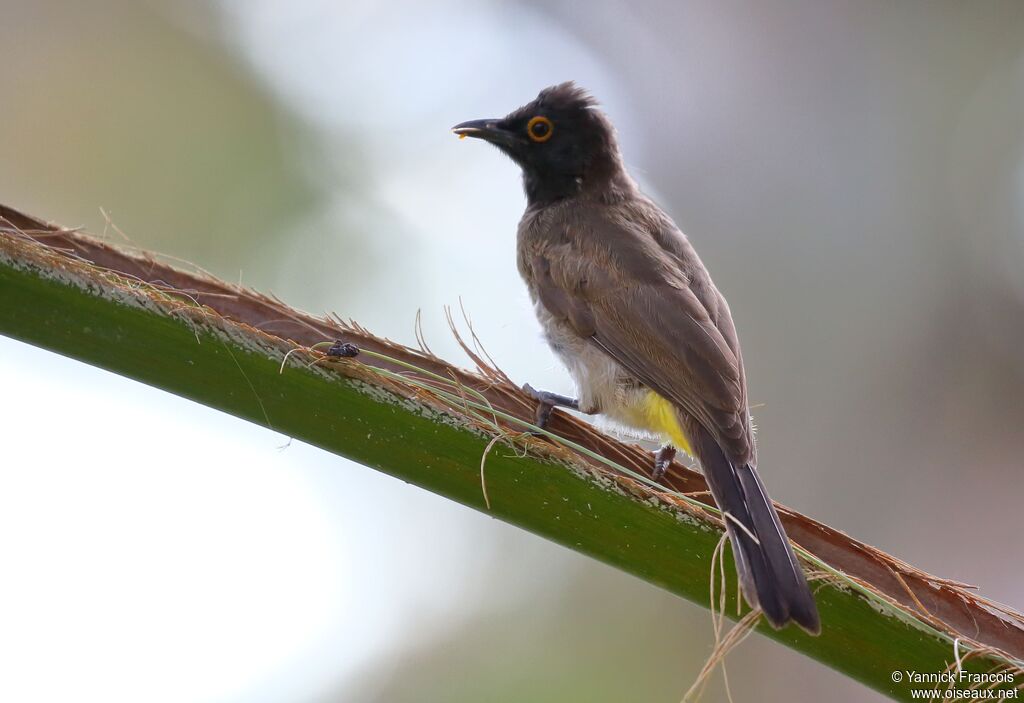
768, 570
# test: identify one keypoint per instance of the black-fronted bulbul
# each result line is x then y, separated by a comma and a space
628, 306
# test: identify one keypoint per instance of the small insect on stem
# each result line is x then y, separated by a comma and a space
344, 350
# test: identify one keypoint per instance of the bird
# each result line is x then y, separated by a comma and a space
630, 309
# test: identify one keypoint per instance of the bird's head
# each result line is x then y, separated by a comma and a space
560, 140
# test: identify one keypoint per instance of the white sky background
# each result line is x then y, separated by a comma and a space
399, 75
154, 548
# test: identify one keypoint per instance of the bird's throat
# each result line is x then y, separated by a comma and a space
542, 189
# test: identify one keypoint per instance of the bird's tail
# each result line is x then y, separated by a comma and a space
769, 573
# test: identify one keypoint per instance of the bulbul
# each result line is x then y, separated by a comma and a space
629, 307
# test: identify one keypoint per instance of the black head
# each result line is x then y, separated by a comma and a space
561, 140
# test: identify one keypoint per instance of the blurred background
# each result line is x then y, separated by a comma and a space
852, 174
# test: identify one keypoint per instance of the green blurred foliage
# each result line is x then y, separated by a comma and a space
113, 105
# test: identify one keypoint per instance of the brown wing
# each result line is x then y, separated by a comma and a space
633, 299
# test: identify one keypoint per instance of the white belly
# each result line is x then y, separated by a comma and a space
602, 385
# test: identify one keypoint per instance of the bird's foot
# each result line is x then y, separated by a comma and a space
546, 402
662, 461
345, 350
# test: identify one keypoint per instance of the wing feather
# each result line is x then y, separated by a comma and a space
656, 327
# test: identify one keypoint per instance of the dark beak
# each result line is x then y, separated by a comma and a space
488, 130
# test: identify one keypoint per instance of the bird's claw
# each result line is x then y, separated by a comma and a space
662, 461
546, 402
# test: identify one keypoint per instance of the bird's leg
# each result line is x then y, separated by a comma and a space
663, 460
546, 402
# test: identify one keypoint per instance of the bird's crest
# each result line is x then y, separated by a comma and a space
565, 97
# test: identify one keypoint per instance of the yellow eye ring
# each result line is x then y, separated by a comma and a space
540, 129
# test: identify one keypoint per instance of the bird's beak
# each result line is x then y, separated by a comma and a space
488, 130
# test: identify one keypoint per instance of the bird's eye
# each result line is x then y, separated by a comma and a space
540, 128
